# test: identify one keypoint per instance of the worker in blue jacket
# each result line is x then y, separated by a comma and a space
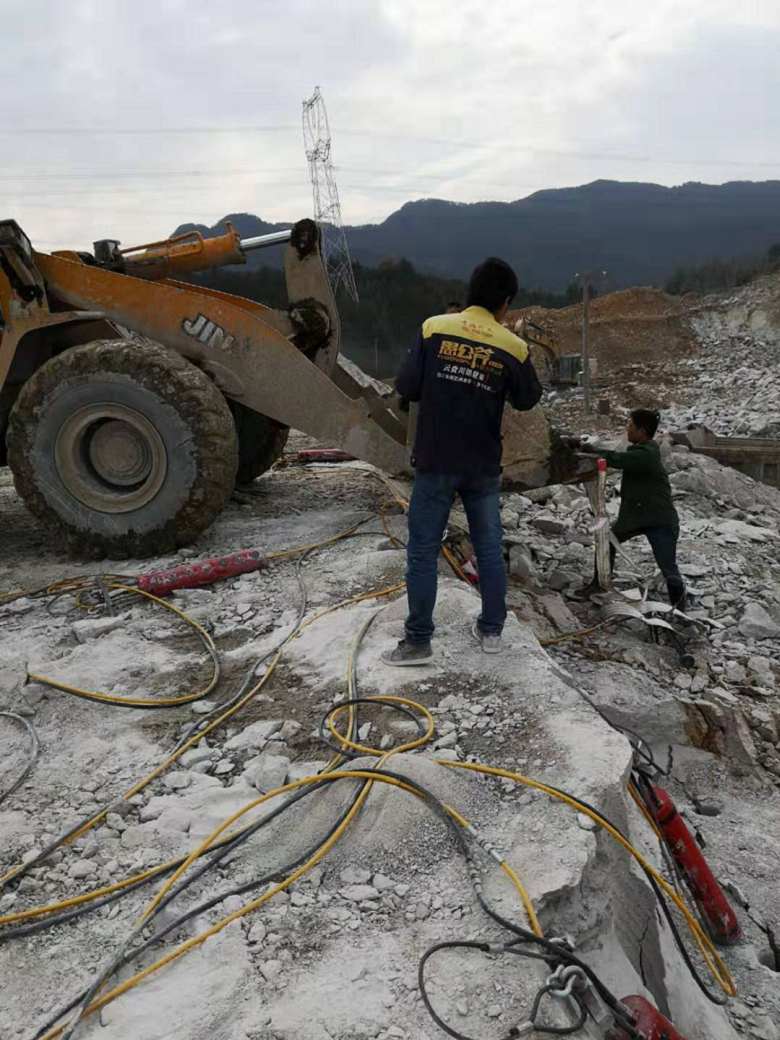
461, 370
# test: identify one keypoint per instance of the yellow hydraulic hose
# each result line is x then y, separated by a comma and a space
297, 550
364, 749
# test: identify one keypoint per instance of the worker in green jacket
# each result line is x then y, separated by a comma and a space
646, 505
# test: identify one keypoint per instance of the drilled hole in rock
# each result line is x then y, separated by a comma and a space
770, 960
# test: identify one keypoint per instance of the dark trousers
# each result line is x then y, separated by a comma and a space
663, 542
429, 510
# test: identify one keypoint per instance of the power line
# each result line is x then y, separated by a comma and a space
17, 192
105, 131
130, 211
120, 174
221, 174
493, 145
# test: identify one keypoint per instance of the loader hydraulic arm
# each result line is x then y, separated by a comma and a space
183, 254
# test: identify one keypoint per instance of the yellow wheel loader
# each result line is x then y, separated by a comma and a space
131, 401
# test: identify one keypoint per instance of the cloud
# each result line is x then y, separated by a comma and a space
124, 119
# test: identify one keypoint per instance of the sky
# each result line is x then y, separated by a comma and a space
125, 118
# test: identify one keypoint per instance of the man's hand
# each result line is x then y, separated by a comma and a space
572, 441
578, 444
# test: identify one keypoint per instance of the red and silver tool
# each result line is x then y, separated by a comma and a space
202, 572
648, 1022
705, 890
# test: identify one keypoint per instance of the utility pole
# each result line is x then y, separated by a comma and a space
586, 279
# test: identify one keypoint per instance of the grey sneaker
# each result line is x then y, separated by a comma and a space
489, 644
407, 655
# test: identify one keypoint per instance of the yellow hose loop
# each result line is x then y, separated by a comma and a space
144, 702
198, 940
365, 749
714, 962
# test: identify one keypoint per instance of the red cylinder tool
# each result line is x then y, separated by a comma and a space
203, 572
322, 455
648, 1022
705, 890
470, 570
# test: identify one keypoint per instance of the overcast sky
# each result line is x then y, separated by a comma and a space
125, 118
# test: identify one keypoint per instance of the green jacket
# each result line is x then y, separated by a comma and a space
645, 493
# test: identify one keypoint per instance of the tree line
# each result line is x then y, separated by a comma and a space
723, 274
394, 298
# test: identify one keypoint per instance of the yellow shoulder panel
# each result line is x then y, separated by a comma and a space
442, 324
478, 326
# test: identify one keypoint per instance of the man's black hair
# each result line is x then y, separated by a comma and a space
646, 419
492, 283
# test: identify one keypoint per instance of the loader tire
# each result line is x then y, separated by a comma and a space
122, 449
261, 442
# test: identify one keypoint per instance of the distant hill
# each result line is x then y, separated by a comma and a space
639, 233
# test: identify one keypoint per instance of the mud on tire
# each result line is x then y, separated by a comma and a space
122, 448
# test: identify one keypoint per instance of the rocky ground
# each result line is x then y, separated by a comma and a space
335, 957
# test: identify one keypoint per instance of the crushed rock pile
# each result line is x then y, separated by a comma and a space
711, 361
734, 386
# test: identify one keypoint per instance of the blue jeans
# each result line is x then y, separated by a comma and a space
429, 510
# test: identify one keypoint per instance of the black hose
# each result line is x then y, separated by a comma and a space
222, 849
32, 754
489, 948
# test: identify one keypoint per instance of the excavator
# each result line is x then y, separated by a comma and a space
132, 401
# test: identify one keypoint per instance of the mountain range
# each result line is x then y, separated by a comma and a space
638, 233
